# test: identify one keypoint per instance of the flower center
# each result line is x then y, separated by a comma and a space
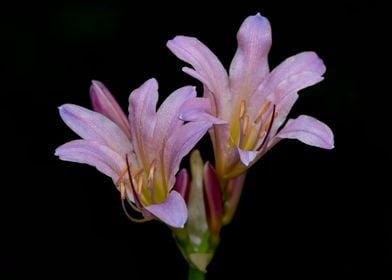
141, 184
250, 133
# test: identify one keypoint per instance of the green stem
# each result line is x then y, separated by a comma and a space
195, 274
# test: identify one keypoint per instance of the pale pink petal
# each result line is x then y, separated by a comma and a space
296, 64
100, 156
283, 109
309, 131
103, 102
198, 109
293, 84
95, 127
172, 211
247, 156
207, 67
250, 63
168, 115
179, 144
281, 86
142, 117
293, 74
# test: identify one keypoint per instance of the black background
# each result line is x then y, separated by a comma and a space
305, 212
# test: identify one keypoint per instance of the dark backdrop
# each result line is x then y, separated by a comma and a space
305, 212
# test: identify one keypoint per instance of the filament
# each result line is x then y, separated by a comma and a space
133, 219
268, 130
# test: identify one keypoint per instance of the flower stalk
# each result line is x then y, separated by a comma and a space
195, 274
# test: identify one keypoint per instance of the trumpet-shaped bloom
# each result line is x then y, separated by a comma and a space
141, 154
253, 100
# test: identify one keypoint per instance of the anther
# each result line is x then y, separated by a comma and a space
261, 134
151, 172
122, 191
262, 112
139, 184
121, 176
268, 130
138, 172
242, 108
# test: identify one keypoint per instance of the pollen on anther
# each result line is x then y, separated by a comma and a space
122, 190
242, 108
266, 125
151, 172
262, 111
139, 184
121, 175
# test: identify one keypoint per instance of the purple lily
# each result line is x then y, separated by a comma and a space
142, 154
253, 101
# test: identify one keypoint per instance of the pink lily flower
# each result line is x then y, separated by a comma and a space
253, 100
141, 154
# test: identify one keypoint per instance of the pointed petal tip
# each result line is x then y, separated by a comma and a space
64, 108
170, 42
317, 63
256, 19
152, 82
96, 87
96, 82
257, 16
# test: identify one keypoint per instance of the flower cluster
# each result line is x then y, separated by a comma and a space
244, 110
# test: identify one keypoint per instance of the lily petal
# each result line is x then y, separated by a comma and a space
207, 67
169, 112
197, 110
95, 127
142, 117
280, 88
309, 131
103, 102
95, 154
250, 63
172, 211
247, 156
180, 143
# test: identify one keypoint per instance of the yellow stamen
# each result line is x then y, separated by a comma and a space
267, 124
133, 219
245, 125
139, 184
138, 172
122, 190
151, 172
242, 108
230, 143
124, 171
120, 177
262, 111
